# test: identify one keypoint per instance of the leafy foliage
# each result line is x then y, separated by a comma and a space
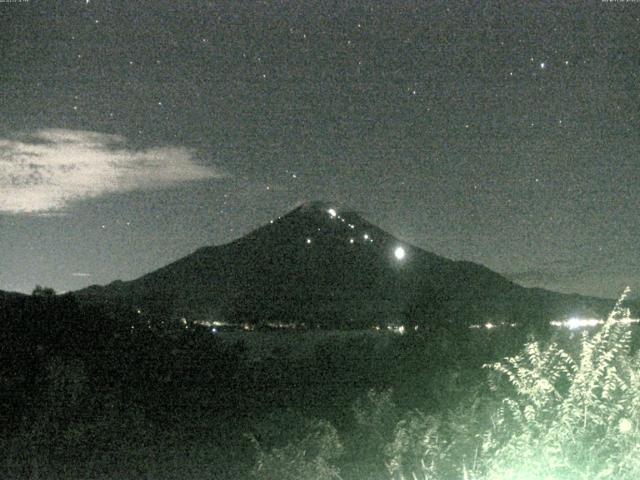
570, 416
312, 457
561, 413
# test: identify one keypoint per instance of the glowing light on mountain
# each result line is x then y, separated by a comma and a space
308, 241
366, 236
399, 253
332, 212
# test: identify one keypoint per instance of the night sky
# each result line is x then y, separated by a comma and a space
134, 132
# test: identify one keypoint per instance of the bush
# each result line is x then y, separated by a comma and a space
570, 416
561, 415
313, 457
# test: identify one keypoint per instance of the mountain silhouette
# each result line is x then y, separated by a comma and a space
326, 266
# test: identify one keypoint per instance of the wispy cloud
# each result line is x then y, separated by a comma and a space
49, 169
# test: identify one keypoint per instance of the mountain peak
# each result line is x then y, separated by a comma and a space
323, 264
323, 218
323, 207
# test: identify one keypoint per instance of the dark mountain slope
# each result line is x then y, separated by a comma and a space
331, 268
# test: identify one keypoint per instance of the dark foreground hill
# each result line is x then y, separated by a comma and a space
328, 267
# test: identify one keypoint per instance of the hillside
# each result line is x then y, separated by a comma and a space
329, 267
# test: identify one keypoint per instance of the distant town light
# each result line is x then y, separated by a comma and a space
399, 253
574, 323
332, 212
308, 241
366, 236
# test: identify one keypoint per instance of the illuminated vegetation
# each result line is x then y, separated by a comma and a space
559, 414
560, 410
570, 415
178, 402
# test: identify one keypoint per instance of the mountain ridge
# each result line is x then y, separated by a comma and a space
326, 266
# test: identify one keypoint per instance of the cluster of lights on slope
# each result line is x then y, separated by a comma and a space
399, 253
334, 216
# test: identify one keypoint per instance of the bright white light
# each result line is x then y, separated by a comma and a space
396, 329
308, 241
574, 323
489, 325
399, 253
625, 425
332, 212
351, 240
366, 236
543, 65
